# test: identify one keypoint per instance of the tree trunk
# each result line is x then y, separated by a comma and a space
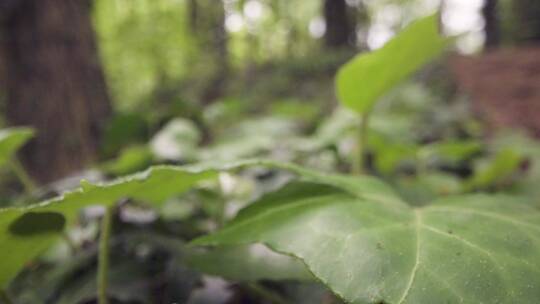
492, 28
340, 29
54, 83
527, 20
207, 19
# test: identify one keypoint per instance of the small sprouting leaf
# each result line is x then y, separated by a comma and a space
463, 249
11, 140
367, 77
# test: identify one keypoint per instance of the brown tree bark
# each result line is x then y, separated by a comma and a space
492, 27
54, 83
207, 20
340, 28
504, 85
527, 18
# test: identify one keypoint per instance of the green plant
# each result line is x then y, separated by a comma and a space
353, 233
11, 140
366, 78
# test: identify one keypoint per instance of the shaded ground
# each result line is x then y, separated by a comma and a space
504, 86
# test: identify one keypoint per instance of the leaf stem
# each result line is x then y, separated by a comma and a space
360, 151
4, 298
22, 176
103, 256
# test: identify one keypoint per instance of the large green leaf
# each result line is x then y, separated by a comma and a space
367, 77
248, 263
353, 233
11, 140
154, 185
464, 249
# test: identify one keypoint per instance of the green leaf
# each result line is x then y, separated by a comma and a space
463, 249
529, 150
178, 140
248, 263
11, 140
122, 130
353, 233
154, 185
426, 186
453, 151
251, 138
251, 263
390, 152
496, 170
26, 232
367, 77
130, 160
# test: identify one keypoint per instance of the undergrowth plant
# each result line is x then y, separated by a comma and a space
353, 233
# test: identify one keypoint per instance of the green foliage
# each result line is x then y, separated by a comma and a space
153, 186
366, 78
177, 140
419, 236
122, 130
144, 44
342, 228
423, 188
452, 151
495, 171
295, 109
379, 250
529, 151
130, 160
248, 263
250, 138
11, 140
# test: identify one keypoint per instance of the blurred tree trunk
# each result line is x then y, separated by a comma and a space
340, 27
207, 19
527, 20
193, 10
492, 27
55, 83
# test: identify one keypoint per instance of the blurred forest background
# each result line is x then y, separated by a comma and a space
96, 76
114, 86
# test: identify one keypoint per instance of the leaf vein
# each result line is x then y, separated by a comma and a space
485, 214
418, 223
